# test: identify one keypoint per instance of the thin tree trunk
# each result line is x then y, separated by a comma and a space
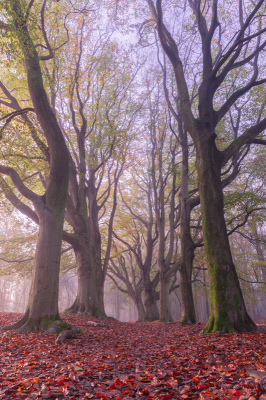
187, 246
187, 255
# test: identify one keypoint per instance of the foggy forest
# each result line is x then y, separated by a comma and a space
132, 198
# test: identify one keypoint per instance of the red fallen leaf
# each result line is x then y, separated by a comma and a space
145, 391
203, 386
146, 380
118, 382
113, 386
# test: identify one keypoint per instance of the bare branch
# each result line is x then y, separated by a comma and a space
19, 184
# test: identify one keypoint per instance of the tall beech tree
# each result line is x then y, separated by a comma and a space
42, 309
91, 96
228, 311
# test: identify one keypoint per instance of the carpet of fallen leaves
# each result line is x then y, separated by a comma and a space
131, 361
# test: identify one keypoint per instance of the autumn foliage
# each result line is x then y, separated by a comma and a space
132, 360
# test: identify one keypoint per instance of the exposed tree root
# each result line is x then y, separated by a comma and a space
71, 333
218, 323
19, 325
83, 309
50, 324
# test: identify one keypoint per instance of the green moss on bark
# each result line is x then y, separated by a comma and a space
184, 320
44, 324
219, 323
99, 313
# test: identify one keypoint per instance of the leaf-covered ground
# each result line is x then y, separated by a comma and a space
132, 360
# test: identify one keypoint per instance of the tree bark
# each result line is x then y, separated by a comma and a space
150, 302
165, 312
140, 308
227, 308
90, 293
188, 314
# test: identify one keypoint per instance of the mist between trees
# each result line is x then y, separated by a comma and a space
132, 173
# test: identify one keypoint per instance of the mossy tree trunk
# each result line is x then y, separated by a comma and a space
228, 312
42, 309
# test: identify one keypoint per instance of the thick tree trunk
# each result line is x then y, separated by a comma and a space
165, 312
140, 308
228, 312
90, 293
42, 309
150, 303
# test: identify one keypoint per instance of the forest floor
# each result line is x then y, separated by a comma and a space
132, 361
